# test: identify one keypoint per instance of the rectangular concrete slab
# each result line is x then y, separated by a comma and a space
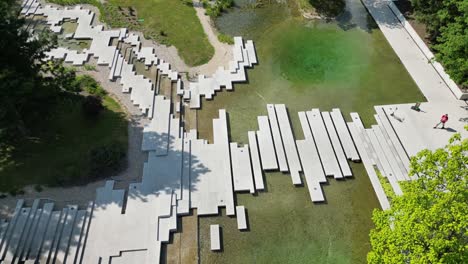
289, 144
241, 168
313, 171
256, 165
324, 146
215, 237
345, 169
265, 144
343, 133
156, 134
241, 217
368, 165
277, 140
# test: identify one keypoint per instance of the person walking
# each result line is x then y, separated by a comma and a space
443, 120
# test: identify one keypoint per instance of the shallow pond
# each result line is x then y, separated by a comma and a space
346, 63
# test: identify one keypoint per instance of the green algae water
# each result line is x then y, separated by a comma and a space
346, 63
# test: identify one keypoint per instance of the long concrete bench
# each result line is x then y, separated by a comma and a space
15, 239
46, 245
156, 134
65, 236
9, 232
241, 217
313, 170
393, 137
368, 165
343, 134
215, 237
28, 229
256, 165
324, 146
241, 168
38, 236
289, 144
387, 169
345, 169
265, 144
399, 174
277, 140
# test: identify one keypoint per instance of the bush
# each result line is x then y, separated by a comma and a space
38, 188
106, 159
215, 10
92, 106
226, 38
90, 85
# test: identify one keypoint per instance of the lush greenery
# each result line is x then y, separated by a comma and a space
447, 26
169, 22
429, 222
328, 8
215, 8
225, 38
44, 136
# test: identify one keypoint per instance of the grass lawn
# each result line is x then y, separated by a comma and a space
170, 22
58, 152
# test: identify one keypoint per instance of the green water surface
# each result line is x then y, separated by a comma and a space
345, 63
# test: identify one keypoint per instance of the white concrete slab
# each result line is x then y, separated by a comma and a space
241, 217
241, 168
289, 144
256, 165
324, 146
368, 165
313, 171
277, 140
215, 237
343, 134
156, 134
339, 153
265, 144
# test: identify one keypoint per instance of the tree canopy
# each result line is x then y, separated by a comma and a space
429, 222
29, 86
447, 26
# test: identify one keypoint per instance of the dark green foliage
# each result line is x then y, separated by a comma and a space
24, 92
92, 106
214, 9
328, 8
226, 38
89, 85
106, 159
29, 86
447, 26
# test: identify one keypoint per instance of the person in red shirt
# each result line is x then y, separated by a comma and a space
443, 120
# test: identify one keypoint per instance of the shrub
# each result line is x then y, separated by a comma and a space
226, 38
106, 159
38, 188
90, 85
92, 106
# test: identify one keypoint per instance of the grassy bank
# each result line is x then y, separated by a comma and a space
59, 150
171, 22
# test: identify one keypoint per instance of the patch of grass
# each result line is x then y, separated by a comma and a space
58, 152
170, 22
167, 21
226, 38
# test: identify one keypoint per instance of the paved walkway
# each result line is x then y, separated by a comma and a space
415, 129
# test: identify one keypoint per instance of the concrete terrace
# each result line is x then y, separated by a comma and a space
184, 172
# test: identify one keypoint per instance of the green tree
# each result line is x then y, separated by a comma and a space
447, 27
29, 86
429, 222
